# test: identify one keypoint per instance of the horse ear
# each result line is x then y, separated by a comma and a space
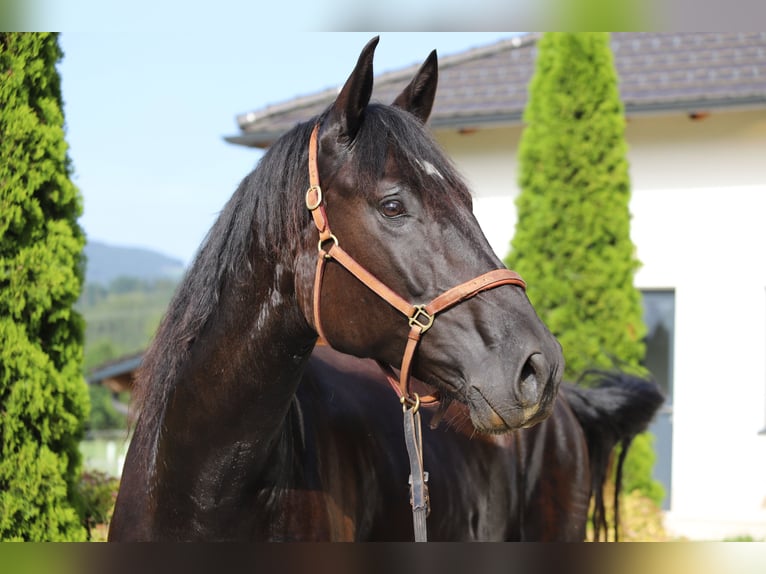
353, 98
418, 97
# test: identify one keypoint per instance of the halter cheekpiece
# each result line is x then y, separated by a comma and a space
420, 318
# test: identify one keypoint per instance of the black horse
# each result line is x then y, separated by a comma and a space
534, 484
241, 437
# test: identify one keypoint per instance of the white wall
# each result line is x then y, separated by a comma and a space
713, 252
699, 224
487, 159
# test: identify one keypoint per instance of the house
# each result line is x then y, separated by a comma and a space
696, 110
116, 375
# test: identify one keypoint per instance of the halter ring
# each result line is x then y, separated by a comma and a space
324, 253
414, 404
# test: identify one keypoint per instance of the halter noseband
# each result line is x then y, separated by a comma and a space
420, 317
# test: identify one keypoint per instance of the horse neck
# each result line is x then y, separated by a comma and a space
232, 393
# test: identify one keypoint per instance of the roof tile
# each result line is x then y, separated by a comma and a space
488, 85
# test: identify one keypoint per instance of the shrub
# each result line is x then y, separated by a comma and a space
43, 397
572, 242
97, 493
637, 472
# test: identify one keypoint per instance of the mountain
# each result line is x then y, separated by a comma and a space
126, 293
108, 262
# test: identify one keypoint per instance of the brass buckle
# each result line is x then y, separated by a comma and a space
313, 205
415, 319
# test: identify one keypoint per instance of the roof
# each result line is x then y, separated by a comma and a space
658, 72
117, 372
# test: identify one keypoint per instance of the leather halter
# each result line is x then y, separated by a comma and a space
420, 317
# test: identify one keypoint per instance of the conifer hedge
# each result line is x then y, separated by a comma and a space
43, 397
572, 242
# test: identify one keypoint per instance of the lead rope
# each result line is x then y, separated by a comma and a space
413, 438
420, 318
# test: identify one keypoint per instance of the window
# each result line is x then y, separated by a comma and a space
659, 317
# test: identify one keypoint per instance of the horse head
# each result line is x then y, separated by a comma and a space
397, 206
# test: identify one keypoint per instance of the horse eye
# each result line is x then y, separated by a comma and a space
392, 208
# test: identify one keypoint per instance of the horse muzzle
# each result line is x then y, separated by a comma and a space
522, 402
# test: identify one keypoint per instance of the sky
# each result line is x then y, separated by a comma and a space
146, 113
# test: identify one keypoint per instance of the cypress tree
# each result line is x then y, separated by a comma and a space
572, 243
43, 397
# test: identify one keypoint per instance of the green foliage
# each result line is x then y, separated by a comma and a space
98, 492
572, 243
742, 538
43, 397
98, 353
103, 415
122, 318
637, 472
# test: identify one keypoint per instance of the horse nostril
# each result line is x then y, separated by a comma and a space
528, 387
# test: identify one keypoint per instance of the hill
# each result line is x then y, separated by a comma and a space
105, 263
126, 293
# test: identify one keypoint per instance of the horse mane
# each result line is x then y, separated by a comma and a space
267, 213
267, 199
